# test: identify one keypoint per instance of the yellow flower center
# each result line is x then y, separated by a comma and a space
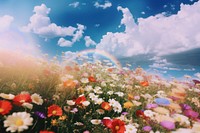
19, 122
116, 127
1, 110
54, 112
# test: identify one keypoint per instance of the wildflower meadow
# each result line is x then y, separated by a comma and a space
40, 96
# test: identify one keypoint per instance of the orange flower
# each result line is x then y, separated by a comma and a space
69, 83
5, 107
22, 98
54, 110
80, 100
105, 106
144, 83
91, 79
128, 105
130, 97
68, 68
110, 69
118, 126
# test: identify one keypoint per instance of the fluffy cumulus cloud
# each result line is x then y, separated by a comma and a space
5, 22
76, 37
158, 34
107, 4
89, 42
41, 25
13, 41
74, 4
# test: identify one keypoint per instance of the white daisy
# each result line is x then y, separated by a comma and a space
27, 105
88, 88
7, 96
84, 80
149, 113
130, 129
95, 121
100, 111
98, 101
117, 107
37, 99
110, 92
85, 103
120, 94
18, 122
70, 102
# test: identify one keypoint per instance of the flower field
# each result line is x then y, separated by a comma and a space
47, 97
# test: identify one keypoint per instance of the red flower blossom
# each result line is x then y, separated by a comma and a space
54, 110
105, 106
91, 79
118, 126
46, 131
80, 100
22, 98
107, 123
144, 83
141, 114
5, 107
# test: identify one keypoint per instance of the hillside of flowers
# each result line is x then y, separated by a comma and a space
41, 96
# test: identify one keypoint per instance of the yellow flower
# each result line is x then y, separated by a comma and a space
128, 104
62, 118
54, 122
130, 97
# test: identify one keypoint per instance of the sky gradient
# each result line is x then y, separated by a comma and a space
155, 35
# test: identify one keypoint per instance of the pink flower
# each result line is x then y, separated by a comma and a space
167, 125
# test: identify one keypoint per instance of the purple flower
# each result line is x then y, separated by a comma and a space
185, 106
190, 113
151, 105
167, 125
147, 128
40, 114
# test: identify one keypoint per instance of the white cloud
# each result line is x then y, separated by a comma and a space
89, 41
74, 4
14, 41
5, 22
158, 34
64, 43
41, 25
76, 37
107, 4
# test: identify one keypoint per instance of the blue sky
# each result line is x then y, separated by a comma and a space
151, 30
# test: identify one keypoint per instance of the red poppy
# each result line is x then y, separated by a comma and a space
91, 79
47, 132
54, 110
107, 123
22, 98
144, 83
105, 106
80, 100
5, 107
118, 126
141, 114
